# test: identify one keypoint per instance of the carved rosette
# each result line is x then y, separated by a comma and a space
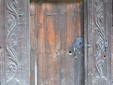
100, 44
12, 42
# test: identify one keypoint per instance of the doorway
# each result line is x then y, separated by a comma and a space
57, 42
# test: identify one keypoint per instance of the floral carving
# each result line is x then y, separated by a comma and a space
101, 43
11, 41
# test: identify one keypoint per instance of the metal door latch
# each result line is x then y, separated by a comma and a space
78, 44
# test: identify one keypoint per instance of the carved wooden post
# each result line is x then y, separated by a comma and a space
1, 37
15, 30
98, 23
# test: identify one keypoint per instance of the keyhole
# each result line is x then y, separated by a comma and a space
80, 43
104, 56
70, 53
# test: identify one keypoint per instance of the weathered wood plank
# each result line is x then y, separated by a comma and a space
16, 68
2, 38
112, 54
98, 25
34, 47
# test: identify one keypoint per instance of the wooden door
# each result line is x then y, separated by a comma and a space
57, 43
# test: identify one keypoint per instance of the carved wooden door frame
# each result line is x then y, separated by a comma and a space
97, 41
15, 42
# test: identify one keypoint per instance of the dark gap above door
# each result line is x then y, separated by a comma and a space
56, 1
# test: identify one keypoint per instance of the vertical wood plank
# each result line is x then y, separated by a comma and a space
112, 52
98, 25
2, 38
34, 47
42, 58
16, 61
47, 58
54, 45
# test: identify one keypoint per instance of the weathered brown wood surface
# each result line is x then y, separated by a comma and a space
55, 55
54, 29
34, 47
14, 42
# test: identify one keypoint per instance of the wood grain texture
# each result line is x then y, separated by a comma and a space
112, 54
112, 44
98, 25
33, 44
56, 27
2, 39
15, 42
